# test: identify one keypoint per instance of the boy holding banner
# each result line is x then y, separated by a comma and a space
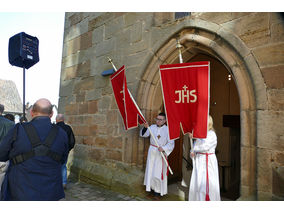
156, 169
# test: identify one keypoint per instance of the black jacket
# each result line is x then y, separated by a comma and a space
68, 130
5, 126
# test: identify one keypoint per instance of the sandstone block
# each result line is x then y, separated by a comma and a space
71, 109
99, 119
270, 55
81, 130
98, 34
92, 107
81, 42
114, 155
132, 18
83, 69
111, 28
99, 20
66, 88
112, 117
83, 108
115, 142
75, 18
93, 94
96, 154
104, 103
100, 141
278, 182
80, 97
276, 99
105, 47
279, 157
248, 162
102, 129
219, 18
84, 84
256, 32
93, 129
88, 141
277, 32
136, 32
76, 30
270, 128
80, 151
68, 73
273, 76
264, 170
100, 81
162, 18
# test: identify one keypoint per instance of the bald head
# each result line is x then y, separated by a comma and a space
42, 107
59, 118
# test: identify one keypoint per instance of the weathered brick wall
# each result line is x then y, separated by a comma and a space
105, 153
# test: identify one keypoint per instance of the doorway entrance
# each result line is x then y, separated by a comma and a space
237, 66
225, 111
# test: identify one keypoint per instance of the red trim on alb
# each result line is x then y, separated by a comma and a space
162, 174
207, 198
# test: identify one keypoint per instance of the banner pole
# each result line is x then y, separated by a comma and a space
179, 46
179, 51
110, 61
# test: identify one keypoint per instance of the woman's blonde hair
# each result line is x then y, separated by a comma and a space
210, 123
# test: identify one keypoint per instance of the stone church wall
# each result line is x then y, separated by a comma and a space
108, 155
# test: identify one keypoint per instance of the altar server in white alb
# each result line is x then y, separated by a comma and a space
204, 183
156, 168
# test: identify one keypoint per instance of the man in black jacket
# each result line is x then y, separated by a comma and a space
71, 142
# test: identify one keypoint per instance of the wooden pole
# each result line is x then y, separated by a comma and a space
179, 46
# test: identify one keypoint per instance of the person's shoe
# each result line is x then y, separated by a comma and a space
157, 196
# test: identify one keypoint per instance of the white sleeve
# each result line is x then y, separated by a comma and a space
169, 147
204, 145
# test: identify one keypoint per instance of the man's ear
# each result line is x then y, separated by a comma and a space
32, 113
51, 114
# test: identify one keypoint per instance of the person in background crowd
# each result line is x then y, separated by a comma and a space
5, 126
10, 117
71, 140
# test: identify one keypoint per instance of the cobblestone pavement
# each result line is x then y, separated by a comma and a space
79, 191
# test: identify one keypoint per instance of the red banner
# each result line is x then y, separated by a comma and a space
186, 97
129, 111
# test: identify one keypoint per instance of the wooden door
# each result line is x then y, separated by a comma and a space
175, 161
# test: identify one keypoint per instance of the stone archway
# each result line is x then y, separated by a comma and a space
204, 37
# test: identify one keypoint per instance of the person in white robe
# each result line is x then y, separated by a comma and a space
204, 183
156, 168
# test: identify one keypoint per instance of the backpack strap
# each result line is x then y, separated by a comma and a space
51, 136
39, 148
49, 141
15, 133
32, 135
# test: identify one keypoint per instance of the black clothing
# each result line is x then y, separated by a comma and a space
68, 130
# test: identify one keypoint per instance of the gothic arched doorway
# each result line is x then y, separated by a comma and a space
199, 44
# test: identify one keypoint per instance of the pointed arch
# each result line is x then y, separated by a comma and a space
197, 36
